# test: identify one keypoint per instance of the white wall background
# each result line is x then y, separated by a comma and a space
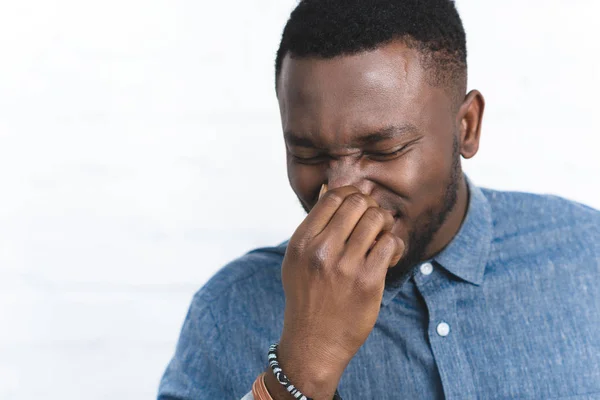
140, 150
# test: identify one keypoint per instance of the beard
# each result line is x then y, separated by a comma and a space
427, 225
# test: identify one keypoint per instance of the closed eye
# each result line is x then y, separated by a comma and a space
383, 156
309, 160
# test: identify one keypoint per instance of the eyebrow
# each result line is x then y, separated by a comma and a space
390, 132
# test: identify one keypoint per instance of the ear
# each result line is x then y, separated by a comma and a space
468, 120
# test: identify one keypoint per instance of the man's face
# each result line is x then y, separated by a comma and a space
372, 120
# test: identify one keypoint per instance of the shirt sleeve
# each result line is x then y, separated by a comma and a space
196, 371
248, 396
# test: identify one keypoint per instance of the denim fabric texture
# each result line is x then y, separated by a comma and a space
510, 310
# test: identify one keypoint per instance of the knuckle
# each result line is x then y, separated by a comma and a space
319, 256
333, 198
343, 270
387, 238
367, 285
358, 200
375, 215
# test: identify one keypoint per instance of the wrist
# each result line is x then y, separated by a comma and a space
278, 392
309, 372
275, 389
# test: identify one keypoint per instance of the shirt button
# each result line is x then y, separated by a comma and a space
426, 268
443, 329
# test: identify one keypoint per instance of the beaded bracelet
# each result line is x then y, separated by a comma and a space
281, 378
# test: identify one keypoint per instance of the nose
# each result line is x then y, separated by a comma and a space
348, 172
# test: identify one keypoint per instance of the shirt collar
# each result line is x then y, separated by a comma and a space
466, 255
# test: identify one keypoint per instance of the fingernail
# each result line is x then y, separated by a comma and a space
323, 190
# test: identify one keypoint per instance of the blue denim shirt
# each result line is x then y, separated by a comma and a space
510, 309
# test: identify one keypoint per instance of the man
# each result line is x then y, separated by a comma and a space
405, 280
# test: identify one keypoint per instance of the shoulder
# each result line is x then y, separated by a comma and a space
522, 204
254, 272
234, 316
512, 211
534, 222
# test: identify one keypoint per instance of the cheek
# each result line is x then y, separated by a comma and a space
421, 176
432, 169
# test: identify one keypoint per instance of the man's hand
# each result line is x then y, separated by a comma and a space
333, 278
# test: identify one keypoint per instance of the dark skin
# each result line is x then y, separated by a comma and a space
387, 144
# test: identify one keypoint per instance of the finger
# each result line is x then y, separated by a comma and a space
320, 215
386, 253
324, 189
373, 223
346, 217
400, 251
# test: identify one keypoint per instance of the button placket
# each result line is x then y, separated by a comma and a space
438, 294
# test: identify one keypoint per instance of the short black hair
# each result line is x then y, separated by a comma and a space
330, 28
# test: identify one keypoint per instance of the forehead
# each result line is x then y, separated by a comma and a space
333, 98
